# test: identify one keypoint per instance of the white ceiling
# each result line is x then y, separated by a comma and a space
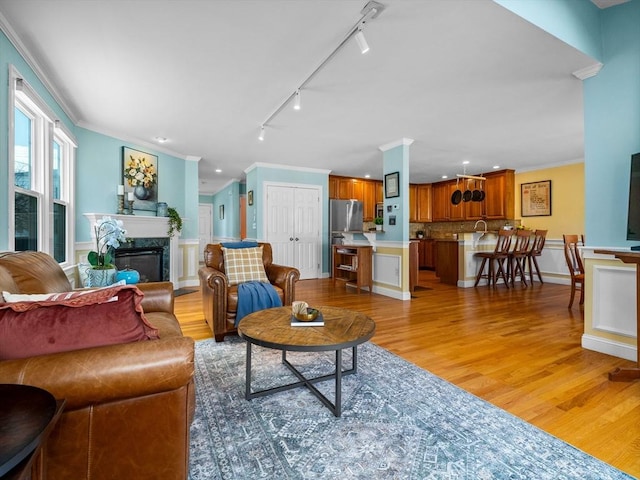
466, 79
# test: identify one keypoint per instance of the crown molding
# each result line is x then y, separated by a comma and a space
396, 143
286, 167
39, 72
588, 72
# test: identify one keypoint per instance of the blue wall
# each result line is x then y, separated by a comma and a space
258, 175
575, 22
612, 127
10, 56
98, 163
229, 226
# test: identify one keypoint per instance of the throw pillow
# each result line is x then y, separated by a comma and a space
244, 265
73, 320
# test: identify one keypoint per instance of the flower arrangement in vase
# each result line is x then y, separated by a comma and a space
142, 175
108, 233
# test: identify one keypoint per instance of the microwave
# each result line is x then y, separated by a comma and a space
380, 210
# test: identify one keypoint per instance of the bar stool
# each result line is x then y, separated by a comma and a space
536, 251
518, 256
500, 254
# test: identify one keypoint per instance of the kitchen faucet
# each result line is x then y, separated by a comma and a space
475, 227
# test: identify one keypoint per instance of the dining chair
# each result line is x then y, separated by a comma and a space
536, 251
518, 256
499, 256
575, 265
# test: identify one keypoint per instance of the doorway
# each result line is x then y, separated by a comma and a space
293, 220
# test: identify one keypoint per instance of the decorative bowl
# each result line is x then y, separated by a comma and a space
310, 314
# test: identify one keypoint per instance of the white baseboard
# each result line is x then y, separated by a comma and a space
610, 347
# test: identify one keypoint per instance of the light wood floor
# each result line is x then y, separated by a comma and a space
518, 349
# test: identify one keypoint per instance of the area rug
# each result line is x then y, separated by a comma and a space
398, 422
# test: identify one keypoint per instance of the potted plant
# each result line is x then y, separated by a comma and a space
379, 222
108, 234
175, 221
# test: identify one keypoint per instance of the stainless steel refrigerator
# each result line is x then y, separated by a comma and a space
345, 216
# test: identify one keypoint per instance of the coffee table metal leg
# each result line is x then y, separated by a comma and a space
247, 388
336, 407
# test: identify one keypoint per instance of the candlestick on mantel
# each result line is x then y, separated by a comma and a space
130, 196
120, 189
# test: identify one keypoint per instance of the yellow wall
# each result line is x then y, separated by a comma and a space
567, 200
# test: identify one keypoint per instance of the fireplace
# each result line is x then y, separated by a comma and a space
149, 232
147, 261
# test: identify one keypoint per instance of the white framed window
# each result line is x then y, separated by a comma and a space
41, 174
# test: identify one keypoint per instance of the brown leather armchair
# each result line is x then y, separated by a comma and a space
220, 300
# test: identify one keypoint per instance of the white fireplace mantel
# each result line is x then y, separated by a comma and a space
138, 226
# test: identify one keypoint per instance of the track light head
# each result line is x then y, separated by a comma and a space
261, 136
362, 42
296, 103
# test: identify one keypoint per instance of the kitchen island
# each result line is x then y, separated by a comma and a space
455, 256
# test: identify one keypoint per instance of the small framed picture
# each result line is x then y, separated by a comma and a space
250, 197
392, 185
536, 199
221, 212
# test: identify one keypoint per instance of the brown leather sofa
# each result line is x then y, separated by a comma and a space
128, 406
220, 300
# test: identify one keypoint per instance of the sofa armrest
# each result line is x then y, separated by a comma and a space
285, 278
214, 280
105, 374
158, 296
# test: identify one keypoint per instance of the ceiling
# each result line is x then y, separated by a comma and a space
466, 80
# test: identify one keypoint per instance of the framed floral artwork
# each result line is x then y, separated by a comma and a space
140, 173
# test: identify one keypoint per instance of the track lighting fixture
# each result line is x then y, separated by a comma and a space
362, 42
296, 103
370, 11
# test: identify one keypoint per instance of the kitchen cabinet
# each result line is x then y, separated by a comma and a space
423, 203
414, 247
379, 191
369, 192
447, 261
500, 195
413, 207
368, 200
426, 254
441, 195
499, 188
352, 265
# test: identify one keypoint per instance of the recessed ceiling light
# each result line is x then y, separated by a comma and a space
161, 139
466, 162
445, 176
218, 170
367, 176
495, 167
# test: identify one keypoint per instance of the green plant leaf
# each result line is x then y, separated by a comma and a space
93, 258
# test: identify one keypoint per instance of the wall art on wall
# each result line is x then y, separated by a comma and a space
250, 197
221, 212
392, 185
535, 199
140, 172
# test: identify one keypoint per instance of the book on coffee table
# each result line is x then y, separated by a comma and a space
316, 322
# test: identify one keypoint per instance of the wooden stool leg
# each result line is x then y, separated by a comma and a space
479, 276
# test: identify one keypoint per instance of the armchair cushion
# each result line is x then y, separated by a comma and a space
72, 321
244, 265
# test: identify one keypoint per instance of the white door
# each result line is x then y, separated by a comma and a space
293, 227
205, 227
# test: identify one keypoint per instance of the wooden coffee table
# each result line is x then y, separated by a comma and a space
272, 328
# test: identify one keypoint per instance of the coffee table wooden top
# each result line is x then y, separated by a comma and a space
272, 328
